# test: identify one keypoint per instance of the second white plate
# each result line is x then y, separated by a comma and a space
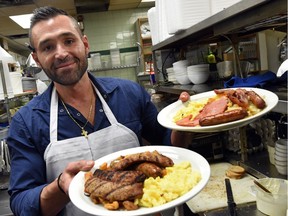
165, 116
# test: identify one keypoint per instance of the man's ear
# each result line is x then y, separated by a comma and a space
86, 44
35, 57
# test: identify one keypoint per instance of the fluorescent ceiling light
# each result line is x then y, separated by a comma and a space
148, 1
22, 20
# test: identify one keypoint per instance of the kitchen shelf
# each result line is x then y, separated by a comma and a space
145, 54
115, 68
244, 17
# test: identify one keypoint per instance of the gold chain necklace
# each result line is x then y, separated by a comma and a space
83, 131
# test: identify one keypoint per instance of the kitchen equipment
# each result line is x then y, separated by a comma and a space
198, 74
213, 196
186, 13
280, 156
29, 84
180, 71
274, 203
261, 186
230, 199
16, 81
209, 146
225, 69
32, 67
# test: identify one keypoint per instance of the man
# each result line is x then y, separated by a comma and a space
74, 122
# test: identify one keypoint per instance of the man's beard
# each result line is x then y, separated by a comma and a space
68, 77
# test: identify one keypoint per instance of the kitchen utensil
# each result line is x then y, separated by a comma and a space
2, 161
7, 156
261, 186
230, 199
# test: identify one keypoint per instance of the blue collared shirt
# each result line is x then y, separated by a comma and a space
29, 134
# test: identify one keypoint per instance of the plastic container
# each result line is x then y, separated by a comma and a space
275, 203
16, 81
225, 69
183, 14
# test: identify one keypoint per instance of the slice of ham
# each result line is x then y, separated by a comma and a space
211, 108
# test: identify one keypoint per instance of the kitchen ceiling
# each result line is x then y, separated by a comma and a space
16, 37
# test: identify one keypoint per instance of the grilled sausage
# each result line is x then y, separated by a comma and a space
184, 96
256, 99
239, 97
150, 169
132, 159
223, 117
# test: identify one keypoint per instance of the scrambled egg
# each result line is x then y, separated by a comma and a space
194, 107
179, 180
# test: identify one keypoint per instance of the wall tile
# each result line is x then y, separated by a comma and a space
110, 30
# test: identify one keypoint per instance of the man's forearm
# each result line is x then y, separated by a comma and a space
52, 199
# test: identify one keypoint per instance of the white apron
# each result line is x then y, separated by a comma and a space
100, 143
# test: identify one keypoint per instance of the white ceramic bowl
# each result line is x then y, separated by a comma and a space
199, 78
280, 162
280, 168
280, 148
280, 155
281, 144
182, 79
180, 63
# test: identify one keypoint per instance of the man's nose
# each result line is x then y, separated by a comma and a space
60, 52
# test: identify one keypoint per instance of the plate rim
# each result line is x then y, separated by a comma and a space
220, 127
144, 211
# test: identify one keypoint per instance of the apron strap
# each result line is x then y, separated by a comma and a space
53, 116
110, 116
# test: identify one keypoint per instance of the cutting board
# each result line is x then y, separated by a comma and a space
214, 196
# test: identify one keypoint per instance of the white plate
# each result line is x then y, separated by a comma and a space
165, 116
199, 163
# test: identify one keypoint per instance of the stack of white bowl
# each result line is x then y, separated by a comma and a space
280, 157
199, 73
180, 71
171, 75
